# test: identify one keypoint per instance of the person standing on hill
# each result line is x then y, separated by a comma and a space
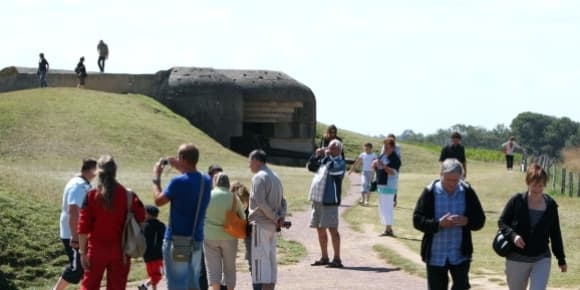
72, 199
324, 217
447, 211
42, 70
366, 159
455, 150
103, 51
387, 169
331, 134
267, 212
508, 149
81, 72
100, 229
189, 195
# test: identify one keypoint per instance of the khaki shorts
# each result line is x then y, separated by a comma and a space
324, 216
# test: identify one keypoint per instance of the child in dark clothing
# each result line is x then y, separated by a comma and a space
154, 231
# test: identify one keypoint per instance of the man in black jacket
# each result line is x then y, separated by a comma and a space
446, 212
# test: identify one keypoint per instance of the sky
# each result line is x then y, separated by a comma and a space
375, 67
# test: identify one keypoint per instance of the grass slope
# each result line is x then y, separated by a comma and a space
43, 136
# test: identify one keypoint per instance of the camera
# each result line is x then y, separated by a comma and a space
164, 162
286, 225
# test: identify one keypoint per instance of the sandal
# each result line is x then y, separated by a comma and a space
335, 264
321, 262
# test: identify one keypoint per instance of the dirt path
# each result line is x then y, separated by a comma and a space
363, 268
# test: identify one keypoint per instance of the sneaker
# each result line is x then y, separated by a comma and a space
335, 264
142, 287
366, 203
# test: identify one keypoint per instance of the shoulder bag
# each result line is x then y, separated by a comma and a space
235, 225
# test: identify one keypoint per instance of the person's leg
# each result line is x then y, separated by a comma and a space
540, 274
335, 243
315, 222
118, 271
229, 251
213, 262
176, 273
61, 284
460, 276
517, 274
510, 162
389, 205
100, 63
203, 282
154, 271
195, 266
92, 279
323, 243
437, 278
263, 256
383, 209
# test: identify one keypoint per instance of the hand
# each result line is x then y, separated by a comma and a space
563, 268
459, 220
445, 221
319, 152
85, 262
280, 222
74, 244
519, 242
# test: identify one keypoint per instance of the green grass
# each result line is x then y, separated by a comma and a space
45, 133
392, 257
494, 186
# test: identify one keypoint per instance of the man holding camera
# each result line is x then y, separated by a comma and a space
267, 211
325, 211
183, 191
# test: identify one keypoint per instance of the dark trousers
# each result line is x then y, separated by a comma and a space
438, 278
101, 63
73, 271
509, 159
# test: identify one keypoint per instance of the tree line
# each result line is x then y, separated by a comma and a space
538, 133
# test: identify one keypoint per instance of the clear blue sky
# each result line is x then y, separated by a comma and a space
376, 67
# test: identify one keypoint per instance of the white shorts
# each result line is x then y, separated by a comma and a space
264, 268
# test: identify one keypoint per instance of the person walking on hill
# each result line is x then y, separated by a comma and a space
331, 134
387, 167
325, 203
153, 229
508, 149
446, 212
42, 70
103, 50
72, 199
81, 72
100, 229
455, 150
267, 212
189, 194
530, 221
367, 173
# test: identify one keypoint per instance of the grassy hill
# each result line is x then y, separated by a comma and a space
43, 136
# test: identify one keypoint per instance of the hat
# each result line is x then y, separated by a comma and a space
152, 210
213, 169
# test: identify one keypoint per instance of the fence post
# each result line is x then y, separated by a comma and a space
578, 188
570, 183
554, 177
563, 186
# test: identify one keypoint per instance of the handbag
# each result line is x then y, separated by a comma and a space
182, 247
235, 225
502, 245
133, 239
318, 184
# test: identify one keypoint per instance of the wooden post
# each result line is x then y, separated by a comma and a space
554, 177
578, 188
570, 183
563, 187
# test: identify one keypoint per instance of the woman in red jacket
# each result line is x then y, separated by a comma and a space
100, 229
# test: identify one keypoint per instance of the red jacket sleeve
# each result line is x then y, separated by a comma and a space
138, 209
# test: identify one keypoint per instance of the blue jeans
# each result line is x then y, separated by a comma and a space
182, 275
42, 79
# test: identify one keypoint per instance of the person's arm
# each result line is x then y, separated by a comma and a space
506, 219
556, 240
73, 222
354, 165
158, 197
475, 218
421, 221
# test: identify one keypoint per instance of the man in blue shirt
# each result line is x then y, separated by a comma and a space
183, 191
446, 212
